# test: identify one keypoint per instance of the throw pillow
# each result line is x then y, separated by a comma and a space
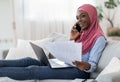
17, 53
108, 73
41, 43
24, 48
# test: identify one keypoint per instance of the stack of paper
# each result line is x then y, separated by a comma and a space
67, 51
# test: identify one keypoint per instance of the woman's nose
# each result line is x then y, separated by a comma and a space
79, 19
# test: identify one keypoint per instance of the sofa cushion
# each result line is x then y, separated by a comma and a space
24, 44
112, 49
84, 80
110, 71
111, 77
24, 49
60, 80
54, 80
6, 79
17, 53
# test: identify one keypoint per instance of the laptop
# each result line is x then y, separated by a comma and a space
53, 63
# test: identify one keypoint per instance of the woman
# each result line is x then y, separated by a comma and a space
93, 43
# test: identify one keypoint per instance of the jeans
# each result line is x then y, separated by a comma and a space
29, 69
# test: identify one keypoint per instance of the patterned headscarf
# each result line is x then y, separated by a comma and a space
89, 35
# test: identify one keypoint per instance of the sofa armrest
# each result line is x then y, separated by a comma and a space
110, 77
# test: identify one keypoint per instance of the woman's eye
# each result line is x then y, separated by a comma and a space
77, 17
83, 15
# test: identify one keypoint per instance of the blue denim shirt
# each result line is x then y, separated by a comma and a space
93, 56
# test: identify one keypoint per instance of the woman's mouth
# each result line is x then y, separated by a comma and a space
81, 25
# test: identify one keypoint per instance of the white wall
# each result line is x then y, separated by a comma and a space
6, 32
5, 19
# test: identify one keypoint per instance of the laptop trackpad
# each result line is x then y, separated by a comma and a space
55, 63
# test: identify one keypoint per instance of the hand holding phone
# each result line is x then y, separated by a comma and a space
75, 32
77, 27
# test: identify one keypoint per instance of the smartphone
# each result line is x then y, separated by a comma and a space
78, 28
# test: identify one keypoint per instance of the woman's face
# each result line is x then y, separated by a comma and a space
83, 19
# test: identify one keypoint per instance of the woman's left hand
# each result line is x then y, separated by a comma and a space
74, 34
82, 65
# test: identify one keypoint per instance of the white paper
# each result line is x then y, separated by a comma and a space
67, 51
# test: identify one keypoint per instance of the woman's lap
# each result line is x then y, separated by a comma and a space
41, 72
29, 68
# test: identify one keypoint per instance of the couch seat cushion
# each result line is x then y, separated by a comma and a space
53, 80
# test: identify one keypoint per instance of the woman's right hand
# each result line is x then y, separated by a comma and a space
74, 33
82, 65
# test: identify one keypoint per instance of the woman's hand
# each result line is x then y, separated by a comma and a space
74, 34
82, 65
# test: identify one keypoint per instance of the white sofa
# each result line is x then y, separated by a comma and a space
106, 62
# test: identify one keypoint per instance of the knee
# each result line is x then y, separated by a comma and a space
33, 68
29, 58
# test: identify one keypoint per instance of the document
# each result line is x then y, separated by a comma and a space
66, 51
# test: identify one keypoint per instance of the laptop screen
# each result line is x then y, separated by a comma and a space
40, 54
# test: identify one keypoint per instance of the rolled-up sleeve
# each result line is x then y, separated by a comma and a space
96, 52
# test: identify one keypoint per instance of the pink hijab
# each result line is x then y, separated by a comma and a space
89, 36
